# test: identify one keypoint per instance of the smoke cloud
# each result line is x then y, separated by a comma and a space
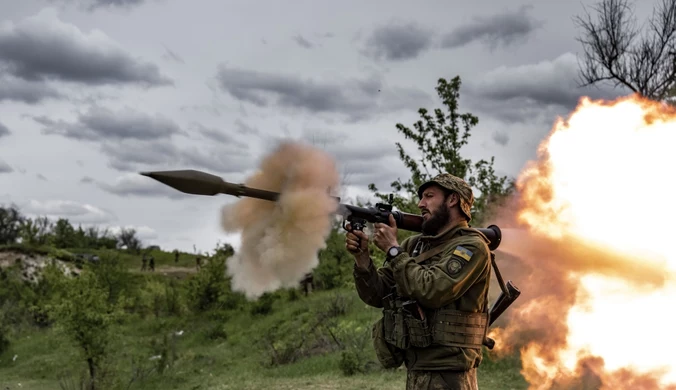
281, 240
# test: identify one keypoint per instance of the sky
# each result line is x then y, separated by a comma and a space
92, 92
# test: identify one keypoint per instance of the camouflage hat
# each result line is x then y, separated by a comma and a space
455, 184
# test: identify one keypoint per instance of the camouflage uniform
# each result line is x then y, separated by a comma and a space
434, 309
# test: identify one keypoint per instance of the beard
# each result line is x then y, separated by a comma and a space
438, 219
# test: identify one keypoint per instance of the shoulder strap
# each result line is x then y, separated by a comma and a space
432, 252
440, 248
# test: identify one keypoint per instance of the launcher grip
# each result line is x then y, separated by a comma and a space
356, 223
504, 301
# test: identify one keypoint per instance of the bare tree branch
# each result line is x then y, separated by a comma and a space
617, 52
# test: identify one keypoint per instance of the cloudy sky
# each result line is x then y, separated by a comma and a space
94, 91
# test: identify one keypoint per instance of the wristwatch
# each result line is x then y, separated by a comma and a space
394, 252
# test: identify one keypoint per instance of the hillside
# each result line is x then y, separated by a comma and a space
179, 328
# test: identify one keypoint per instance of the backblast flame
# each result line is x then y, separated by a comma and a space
597, 269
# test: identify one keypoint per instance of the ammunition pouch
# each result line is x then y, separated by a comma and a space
456, 328
388, 355
405, 325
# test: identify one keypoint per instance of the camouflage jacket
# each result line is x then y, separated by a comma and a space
457, 278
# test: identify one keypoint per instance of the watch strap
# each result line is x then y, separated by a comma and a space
400, 250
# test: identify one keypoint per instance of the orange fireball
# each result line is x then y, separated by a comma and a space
598, 268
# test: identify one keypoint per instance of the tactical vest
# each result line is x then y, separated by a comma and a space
405, 324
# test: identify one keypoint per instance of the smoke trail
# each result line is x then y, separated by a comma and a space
281, 240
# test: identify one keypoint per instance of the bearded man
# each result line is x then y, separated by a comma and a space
433, 289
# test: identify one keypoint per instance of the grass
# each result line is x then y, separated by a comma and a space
226, 349
236, 360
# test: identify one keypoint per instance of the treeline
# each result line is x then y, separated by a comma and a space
42, 231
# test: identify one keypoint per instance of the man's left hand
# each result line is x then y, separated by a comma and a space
385, 236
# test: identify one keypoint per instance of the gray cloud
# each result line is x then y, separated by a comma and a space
356, 99
217, 160
380, 174
5, 168
42, 47
142, 232
133, 141
221, 136
4, 131
498, 29
302, 42
101, 123
344, 149
131, 155
73, 211
524, 92
398, 42
135, 156
243, 128
94, 4
500, 138
172, 55
29, 92
41, 176
136, 185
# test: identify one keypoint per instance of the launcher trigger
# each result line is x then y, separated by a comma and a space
355, 224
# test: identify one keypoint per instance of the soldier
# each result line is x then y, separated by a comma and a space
308, 283
176, 254
198, 263
152, 263
436, 283
144, 262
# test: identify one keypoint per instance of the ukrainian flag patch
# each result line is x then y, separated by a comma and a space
463, 253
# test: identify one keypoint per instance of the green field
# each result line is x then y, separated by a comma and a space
286, 340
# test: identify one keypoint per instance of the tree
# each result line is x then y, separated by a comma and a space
10, 224
439, 138
127, 238
35, 231
64, 234
83, 310
616, 52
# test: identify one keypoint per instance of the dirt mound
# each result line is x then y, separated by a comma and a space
31, 264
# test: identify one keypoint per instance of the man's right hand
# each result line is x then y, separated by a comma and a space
357, 243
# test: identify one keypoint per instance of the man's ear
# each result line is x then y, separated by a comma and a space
452, 199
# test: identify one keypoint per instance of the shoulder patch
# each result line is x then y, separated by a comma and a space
454, 266
463, 253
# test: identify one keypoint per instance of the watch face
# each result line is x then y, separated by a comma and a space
394, 251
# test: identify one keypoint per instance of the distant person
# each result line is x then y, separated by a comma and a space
152, 263
198, 263
144, 264
308, 283
176, 254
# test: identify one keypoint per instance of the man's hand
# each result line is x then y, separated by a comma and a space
386, 235
357, 243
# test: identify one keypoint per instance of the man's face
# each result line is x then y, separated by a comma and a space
434, 209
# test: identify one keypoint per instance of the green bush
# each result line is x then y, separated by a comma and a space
216, 331
85, 313
349, 363
263, 305
207, 288
4, 338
